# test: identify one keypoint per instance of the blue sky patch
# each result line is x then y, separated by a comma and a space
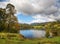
25, 18
4, 0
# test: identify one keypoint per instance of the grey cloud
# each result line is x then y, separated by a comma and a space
48, 8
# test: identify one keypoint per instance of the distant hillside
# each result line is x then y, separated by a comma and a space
25, 26
37, 24
49, 25
40, 25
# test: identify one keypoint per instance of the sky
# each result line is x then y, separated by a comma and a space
35, 11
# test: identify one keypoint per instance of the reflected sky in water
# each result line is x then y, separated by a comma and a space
33, 33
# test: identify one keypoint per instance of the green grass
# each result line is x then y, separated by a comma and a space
19, 40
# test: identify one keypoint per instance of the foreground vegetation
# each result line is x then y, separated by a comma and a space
18, 39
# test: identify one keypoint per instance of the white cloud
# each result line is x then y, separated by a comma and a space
56, 17
39, 19
3, 4
47, 9
42, 7
32, 6
20, 21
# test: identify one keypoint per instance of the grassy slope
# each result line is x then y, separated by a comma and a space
20, 40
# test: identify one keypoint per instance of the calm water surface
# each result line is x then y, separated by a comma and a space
33, 33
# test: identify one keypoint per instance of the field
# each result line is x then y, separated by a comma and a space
18, 39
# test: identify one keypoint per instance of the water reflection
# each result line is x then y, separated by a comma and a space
33, 33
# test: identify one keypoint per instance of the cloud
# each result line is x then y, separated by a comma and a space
32, 6
47, 9
20, 21
3, 4
39, 19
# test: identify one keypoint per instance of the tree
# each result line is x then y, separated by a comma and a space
8, 21
2, 19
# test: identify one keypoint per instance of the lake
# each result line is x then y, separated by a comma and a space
31, 33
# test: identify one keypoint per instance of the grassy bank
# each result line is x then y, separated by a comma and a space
18, 39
